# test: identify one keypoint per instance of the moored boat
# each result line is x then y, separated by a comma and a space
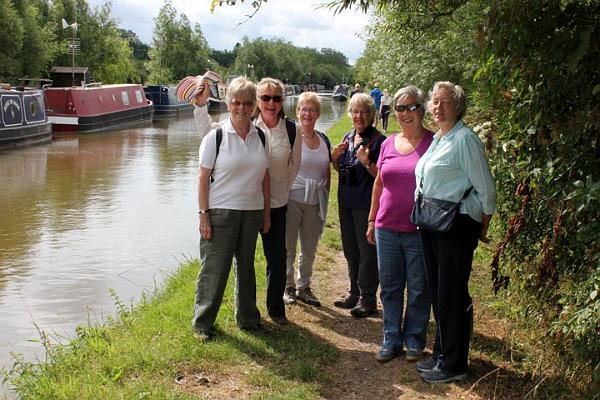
91, 107
166, 103
340, 92
23, 121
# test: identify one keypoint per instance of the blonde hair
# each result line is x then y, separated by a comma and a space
266, 83
308, 97
241, 89
362, 100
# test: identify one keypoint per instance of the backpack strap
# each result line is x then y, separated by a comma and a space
290, 127
261, 135
218, 139
327, 142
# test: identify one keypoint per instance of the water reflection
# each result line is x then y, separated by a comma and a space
91, 213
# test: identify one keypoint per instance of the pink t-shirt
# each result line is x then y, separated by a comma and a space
398, 178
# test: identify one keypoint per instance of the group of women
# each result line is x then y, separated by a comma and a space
273, 176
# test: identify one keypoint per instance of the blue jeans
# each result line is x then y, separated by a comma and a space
400, 261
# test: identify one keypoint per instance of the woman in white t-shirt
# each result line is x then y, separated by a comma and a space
307, 204
233, 201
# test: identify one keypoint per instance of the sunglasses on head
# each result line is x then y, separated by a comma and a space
266, 98
408, 107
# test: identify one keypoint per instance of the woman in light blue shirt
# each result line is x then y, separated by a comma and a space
454, 163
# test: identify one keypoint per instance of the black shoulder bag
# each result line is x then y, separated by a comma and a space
435, 215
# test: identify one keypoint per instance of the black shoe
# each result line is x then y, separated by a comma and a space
426, 364
279, 320
437, 375
348, 301
307, 296
364, 308
289, 296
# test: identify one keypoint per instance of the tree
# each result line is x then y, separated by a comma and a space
178, 50
11, 40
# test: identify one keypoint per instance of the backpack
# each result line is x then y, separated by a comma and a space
219, 139
327, 142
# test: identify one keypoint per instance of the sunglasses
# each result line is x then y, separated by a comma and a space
266, 98
408, 107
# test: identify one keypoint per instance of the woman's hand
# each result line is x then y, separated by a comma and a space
338, 150
371, 233
363, 156
266, 225
201, 98
485, 223
205, 228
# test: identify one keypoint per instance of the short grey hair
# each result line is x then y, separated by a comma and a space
458, 95
241, 89
412, 91
362, 100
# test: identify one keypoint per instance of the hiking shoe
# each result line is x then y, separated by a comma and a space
387, 353
348, 301
202, 335
414, 354
279, 320
307, 296
364, 308
437, 375
426, 364
289, 296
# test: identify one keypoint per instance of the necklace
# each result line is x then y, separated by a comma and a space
309, 136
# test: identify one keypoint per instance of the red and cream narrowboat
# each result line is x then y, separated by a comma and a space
92, 107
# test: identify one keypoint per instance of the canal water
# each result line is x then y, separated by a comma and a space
91, 218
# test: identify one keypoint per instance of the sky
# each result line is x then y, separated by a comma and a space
296, 21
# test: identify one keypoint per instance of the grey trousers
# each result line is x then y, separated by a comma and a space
234, 234
360, 255
301, 220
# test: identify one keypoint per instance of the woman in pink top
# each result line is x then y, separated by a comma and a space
399, 252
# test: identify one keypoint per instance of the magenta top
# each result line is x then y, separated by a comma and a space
398, 179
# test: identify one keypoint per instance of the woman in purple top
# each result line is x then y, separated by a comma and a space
399, 252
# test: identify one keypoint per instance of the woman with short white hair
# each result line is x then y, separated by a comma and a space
233, 202
455, 169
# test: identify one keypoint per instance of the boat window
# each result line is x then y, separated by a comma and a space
138, 96
33, 108
114, 98
101, 99
125, 97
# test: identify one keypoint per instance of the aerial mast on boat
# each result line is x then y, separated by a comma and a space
74, 47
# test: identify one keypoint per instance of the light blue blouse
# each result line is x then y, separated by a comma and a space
452, 164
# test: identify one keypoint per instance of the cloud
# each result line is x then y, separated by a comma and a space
300, 22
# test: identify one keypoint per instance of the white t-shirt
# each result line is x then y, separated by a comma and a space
239, 169
313, 171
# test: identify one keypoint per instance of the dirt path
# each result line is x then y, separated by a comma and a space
357, 375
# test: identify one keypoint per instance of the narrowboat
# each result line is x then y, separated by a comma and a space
89, 107
166, 103
340, 93
23, 121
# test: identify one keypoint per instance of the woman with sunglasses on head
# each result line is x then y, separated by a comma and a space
307, 206
454, 169
355, 160
399, 253
233, 201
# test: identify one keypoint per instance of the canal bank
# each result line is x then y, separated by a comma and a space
148, 350
92, 218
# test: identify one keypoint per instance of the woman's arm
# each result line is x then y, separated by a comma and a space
375, 195
485, 222
204, 213
266, 188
